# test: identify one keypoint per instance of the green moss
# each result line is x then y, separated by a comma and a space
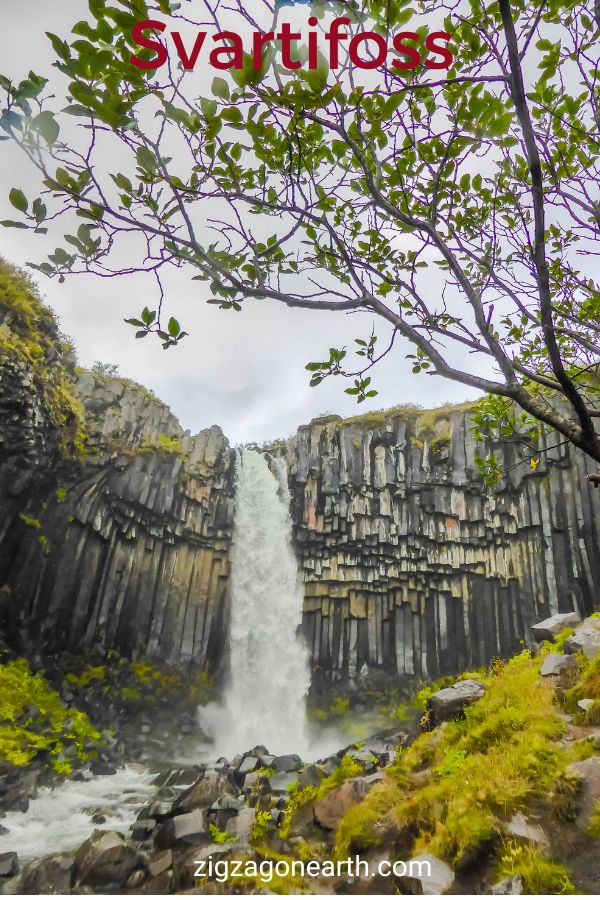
298, 797
460, 784
540, 875
164, 444
379, 418
30, 521
594, 826
29, 334
61, 495
220, 837
261, 825
34, 719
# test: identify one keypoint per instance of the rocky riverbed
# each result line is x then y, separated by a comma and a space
498, 792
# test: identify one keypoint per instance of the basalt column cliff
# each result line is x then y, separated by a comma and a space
115, 525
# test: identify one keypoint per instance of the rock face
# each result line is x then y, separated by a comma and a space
412, 566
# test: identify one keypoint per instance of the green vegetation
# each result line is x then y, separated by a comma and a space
130, 680
29, 334
30, 522
33, 719
540, 875
298, 797
220, 837
261, 826
164, 444
107, 373
454, 788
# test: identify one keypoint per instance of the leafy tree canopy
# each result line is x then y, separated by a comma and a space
459, 207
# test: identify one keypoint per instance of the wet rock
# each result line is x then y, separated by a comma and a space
142, 829
254, 781
105, 859
450, 703
241, 826
162, 884
187, 829
248, 764
557, 664
511, 886
51, 875
550, 628
331, 764
137, 877
160, 862
288, 763
330, 810
227, 802
302, 819
585, 639
9, 865
282, 781
588, 773
100, 767
311, 776
428, 875
520, 827
203, 793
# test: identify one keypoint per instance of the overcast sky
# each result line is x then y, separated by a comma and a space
242, 371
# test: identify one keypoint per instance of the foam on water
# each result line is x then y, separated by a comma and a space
60, 818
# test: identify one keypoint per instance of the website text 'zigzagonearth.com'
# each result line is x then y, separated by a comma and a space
225, 870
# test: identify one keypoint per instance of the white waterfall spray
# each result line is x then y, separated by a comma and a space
265, 702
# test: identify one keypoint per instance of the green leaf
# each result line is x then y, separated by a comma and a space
18, 200
47, 126
174, 327
220, 88
8, 223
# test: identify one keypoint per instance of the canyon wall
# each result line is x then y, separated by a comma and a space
412, 565
115, 526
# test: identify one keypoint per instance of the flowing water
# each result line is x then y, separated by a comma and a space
60, 818
265, 702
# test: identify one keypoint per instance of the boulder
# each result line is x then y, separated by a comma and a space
248, 764
282, 781
51, 875
585, 639
449, 703
137, 877
289, 763
203, 793
557, 664
585, 704
510, 886
105, 859
427, 875
189, 828
588, 774
302, 819
142, 829
311, 776
241, 826
549, 628
520, 827
9, 864
330, 810
160, 862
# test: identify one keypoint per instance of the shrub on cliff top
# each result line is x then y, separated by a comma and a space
29, 333
34, 719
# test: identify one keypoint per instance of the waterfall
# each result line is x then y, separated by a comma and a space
265, 702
